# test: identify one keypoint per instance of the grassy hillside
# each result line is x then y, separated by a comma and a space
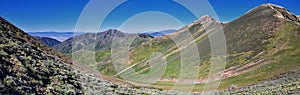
256, 45
282, 59
261, 45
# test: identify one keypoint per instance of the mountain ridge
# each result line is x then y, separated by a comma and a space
95, 41
101, 39
282, 12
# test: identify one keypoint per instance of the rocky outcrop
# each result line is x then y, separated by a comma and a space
282, 12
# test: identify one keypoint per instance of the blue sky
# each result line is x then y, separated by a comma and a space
62, 15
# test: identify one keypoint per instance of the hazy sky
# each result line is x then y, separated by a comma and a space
62, 15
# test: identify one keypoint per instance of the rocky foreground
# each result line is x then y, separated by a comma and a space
286, 84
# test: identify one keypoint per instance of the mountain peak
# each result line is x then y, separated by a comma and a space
280, 12
272, 5
206, 18
111, 31
203, 19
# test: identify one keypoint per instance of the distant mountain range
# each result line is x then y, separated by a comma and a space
48, 41
54, 38
60, 36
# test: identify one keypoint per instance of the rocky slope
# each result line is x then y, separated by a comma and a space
286, 84
48, 41
30, 67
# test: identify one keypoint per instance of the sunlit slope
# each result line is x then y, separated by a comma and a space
254, 42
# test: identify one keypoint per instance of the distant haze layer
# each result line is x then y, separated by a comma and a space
61, 36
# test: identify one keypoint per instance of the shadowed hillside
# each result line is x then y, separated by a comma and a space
48, 41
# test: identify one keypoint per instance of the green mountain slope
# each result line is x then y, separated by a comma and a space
91, 48
260, 44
